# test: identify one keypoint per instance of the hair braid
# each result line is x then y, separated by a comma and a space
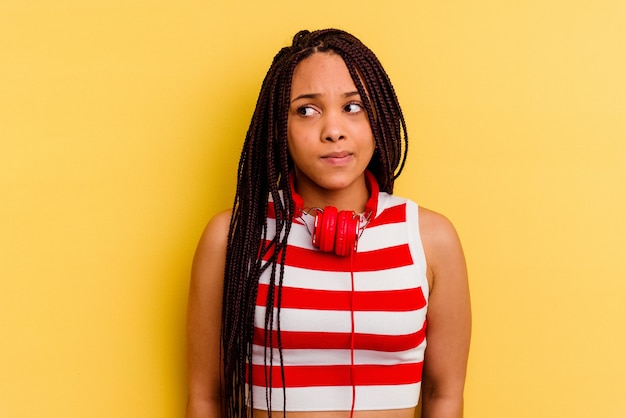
263, 170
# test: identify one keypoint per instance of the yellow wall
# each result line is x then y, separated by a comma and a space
121, 124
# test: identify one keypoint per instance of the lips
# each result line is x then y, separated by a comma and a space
337, 158
340, 154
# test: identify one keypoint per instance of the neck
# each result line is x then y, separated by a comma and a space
355, 197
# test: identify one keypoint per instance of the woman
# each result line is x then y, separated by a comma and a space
310, 297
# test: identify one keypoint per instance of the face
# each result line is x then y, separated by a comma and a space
329, 135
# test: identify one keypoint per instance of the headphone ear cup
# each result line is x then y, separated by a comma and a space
325, 228
346, 233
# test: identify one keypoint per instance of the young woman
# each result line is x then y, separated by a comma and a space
321, 294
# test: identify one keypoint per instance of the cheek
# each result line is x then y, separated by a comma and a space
289, 141
297, 136
367, 133
292, 131
290, 136
294, 149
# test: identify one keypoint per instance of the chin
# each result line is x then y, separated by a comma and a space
340, 181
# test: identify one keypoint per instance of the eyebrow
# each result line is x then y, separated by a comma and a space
316, 95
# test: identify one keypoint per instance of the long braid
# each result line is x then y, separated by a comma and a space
263, 170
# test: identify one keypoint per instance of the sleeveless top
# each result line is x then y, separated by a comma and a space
352, 329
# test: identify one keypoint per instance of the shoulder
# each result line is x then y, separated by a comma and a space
211, 250
442, 246
207, 270
216, 231
436, 231
436, 228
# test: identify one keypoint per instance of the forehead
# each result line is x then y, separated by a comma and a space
321, 72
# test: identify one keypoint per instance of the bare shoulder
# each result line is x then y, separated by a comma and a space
436, 230
441, 242
215, 236
210, 256
217, 228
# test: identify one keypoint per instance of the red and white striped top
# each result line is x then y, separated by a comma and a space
324, 353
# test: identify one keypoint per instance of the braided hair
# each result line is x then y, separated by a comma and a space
263, 171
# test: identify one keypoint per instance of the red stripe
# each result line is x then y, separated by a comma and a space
383, 259
337, 340
392, 215
339, 375
389, 300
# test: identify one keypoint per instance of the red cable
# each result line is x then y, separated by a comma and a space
352, 333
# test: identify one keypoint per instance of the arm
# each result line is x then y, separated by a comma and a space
449, 319
204, 313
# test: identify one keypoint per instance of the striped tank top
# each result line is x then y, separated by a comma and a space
352, 328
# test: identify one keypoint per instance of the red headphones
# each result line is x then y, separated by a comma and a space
335, 231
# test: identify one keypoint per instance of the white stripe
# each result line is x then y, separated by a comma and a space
400, 278
339, 398
323, 357
298, 236
382, 236
387, 397
310, 320
389, 323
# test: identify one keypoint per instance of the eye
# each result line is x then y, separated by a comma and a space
305, 111
353, 107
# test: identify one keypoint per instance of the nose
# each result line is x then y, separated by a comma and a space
333, 129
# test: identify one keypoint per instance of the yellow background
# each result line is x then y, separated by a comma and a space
120, 128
